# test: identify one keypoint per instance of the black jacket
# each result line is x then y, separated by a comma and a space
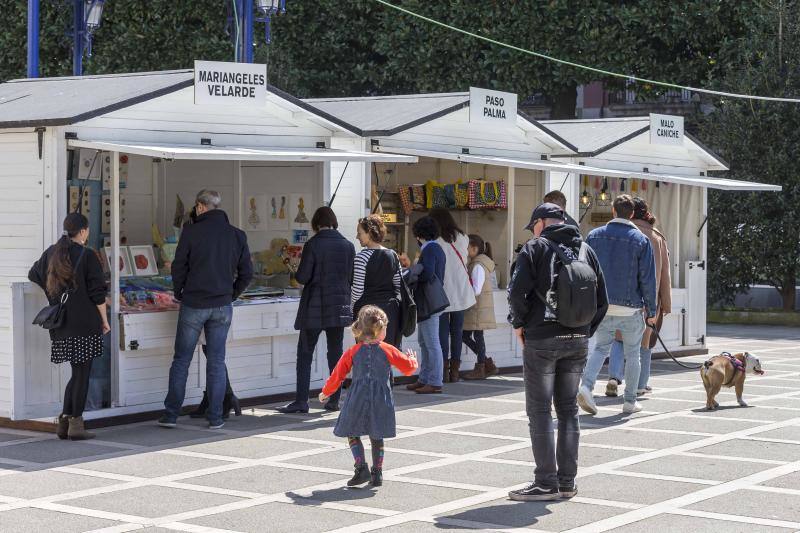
81, 318
536, 269
326, 273
212, 264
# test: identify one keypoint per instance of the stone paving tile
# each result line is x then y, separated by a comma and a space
794, 403
789, 481
786, 433
10, 437
282, 518
776, 451
426, 527
343, 459
151, 501
698, 467
668, 406
672, 523
640, 439
633, 489
754, 503
252, 447
31, 520
478, 473
483, 407
263, 479
508, 428
318, 432
393, 495
549, 516
443, 443
153, 435
149, 465
425, 419
754, 412
699, 424
41, 483
53, 450
474, 388
248, 422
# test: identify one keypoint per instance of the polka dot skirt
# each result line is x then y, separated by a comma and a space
77, 349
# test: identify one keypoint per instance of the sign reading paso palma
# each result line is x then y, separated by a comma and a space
218, 83
666, 129
492, 107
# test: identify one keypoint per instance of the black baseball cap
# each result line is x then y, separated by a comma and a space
546, 210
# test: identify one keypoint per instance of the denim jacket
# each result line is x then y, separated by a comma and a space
626, 257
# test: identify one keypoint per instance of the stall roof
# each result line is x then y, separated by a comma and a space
710, 182
383, 116
592, 137
240, 153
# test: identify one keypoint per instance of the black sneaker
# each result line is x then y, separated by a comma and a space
534, 493
167, 422
377, 477
361, 476
568, 491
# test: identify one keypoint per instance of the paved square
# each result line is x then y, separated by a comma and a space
673, 468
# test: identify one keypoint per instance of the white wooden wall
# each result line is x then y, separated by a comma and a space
350, 202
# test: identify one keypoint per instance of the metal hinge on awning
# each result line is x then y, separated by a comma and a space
40, 132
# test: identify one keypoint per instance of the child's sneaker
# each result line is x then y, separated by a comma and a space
377, 477
361, 476
533, 493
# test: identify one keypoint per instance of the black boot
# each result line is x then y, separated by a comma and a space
377, 477
200, 412
361, 475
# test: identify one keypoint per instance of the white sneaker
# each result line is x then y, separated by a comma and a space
631, 407
586, 401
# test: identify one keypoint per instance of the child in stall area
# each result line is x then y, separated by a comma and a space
480, 316
368, 408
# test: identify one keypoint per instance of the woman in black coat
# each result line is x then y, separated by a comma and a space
68, 267
326, 273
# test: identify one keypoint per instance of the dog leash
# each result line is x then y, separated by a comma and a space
684, 365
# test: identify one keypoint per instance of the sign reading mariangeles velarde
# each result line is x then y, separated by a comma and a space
492, 107
229, 83
666, 129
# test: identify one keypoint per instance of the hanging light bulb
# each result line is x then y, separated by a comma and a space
585, 198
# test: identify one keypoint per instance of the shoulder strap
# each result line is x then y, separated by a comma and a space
583, 252
453, 246
557, 250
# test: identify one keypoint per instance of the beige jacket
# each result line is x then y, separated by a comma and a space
663, 276
480, 317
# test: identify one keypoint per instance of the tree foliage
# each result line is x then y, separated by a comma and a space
761, 141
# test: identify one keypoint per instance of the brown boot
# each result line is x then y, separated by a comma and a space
491, 368
416, 385
455, 367
429, 389
446, 371
76, 430
479, 372
63, 426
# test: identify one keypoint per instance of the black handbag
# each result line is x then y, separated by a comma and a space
430, 298
408, 309
52, 316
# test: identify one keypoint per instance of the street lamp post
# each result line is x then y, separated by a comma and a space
86, 19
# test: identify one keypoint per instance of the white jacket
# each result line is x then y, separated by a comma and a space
456, 280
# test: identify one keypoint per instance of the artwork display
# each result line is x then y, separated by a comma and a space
298, 211
89, 164
278, 209
106, 170
143, 260
255, 212
77, 204
124, 260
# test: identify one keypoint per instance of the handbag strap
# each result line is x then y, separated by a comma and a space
67, 291
462, 262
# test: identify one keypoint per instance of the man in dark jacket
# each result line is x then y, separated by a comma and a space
326, 273
553, 355
211, 269
557, 197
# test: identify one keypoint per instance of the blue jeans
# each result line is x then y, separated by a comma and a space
617, 359
632, 328
215, 322
431, 362
451, 328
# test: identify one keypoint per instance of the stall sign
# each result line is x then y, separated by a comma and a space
219, 83
492, 107
666, 129
389, 218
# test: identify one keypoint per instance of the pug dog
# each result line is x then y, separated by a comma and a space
728, 370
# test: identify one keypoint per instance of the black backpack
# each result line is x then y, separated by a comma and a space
577, 289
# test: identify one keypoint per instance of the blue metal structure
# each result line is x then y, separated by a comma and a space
243, 18
33, 38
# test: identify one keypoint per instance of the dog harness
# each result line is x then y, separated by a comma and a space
738, 366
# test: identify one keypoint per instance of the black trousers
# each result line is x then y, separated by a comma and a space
77, 389
305, 356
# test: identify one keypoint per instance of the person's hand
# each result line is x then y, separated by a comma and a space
405, 262
651, 321
106, 327
412, 355
519, 333
322, 398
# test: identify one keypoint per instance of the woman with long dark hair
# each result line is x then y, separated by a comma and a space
70, 268
458, 287
376, 276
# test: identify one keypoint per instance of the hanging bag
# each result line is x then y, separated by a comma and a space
408, 308
52, 316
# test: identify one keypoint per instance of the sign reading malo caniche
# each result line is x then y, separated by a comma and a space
666, 129
219, 83
492, 107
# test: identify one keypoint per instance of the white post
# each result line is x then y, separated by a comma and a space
510, 196
116, 396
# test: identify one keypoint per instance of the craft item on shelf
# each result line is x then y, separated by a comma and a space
255, 210
485, 194
434, 192
462, 195
124, 260
644, 185
376, 202
158, 240
180, 213
300, 236
89, 164
78, 205
597, 183
405, 199
291, 257
272, 259
143, 260
299, 207
146, 294
278, 212
634, 186
418, 197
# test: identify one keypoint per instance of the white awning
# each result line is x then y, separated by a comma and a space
239, 153
709, 182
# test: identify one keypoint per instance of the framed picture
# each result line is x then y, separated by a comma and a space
124, 260
278, 212
254, 212
143, 260
299, 207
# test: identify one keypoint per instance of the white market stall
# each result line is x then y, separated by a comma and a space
128, 148
458, 139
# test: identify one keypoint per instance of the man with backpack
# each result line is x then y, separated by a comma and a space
626, 255
557, 298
